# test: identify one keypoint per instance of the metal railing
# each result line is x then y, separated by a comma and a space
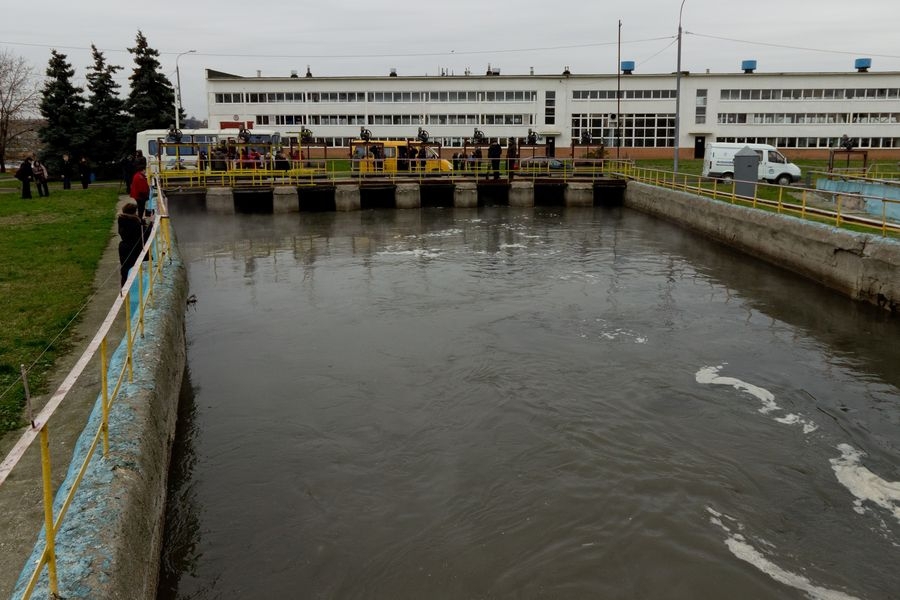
331, 171
135, 296
797, 201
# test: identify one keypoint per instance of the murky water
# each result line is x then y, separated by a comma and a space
547, 403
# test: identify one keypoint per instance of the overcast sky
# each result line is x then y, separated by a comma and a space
418, 37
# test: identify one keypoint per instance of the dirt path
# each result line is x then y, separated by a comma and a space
21, 508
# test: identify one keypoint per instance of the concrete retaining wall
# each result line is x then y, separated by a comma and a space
862, 266
109, 544
521, 194
285, 200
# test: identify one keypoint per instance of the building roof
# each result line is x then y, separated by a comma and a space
212, 74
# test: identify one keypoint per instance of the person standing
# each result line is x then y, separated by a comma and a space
494, 153
127, 167
84, 172
24, 174
133, 232
512, 153
39, 170
66, 172
140, 189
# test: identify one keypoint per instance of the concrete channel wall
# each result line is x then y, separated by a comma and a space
861, 265
110, 543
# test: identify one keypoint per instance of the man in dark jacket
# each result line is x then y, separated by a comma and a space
494, 153
127, 167
66, 171
24, 174
84, 172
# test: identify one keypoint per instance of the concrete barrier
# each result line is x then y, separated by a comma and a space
346, 198
220, 200
579, 194
861, 265
109, 545
465, 195
407, 195
285, 200
521, 194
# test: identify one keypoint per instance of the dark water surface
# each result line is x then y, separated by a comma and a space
502, 403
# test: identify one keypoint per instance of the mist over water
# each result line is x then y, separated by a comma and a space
540, 403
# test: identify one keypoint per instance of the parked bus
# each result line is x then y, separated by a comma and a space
393, 156
216, 149
165, 151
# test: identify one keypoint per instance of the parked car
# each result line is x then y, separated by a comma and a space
541, 164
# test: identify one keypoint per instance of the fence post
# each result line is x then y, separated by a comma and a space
50, 549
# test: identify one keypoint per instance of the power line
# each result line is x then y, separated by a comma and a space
664, 48
367, 55
789, 47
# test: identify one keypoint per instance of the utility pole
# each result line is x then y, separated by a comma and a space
619, 92
178, 91
678, 91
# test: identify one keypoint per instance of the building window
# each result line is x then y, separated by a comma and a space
550, 108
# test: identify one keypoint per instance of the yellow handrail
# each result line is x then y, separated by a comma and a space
156, 247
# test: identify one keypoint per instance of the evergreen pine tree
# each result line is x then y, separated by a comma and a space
105, 113
62, 107
151, 102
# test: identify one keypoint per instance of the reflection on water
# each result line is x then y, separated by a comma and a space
504, 403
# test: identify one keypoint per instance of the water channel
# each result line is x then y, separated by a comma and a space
540, 403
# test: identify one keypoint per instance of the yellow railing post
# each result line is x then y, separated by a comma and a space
104, 397
129, 357
803, 204
140, 278
50, 551
837, 217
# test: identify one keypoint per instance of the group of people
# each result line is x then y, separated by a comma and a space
34, 170
130, 165
135, 220
465, 162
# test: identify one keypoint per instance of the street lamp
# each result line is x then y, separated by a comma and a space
178, 91
678, 91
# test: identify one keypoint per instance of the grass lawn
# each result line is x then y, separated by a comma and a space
49, 251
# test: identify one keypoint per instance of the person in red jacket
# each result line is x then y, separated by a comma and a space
140, 189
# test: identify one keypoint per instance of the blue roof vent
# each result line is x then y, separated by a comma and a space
627, 67
862, 64
748, 66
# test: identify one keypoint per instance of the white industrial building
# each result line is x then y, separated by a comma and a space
633, 114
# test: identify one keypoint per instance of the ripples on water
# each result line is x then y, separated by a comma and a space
545, 403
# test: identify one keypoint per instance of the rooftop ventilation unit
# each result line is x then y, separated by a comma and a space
748, 66
862, 65
393, 73
627, 67
293, 74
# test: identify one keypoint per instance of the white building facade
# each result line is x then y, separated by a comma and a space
633, 115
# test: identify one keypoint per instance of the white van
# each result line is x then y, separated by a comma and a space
718, 161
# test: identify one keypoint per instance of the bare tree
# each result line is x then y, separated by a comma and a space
19, 94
